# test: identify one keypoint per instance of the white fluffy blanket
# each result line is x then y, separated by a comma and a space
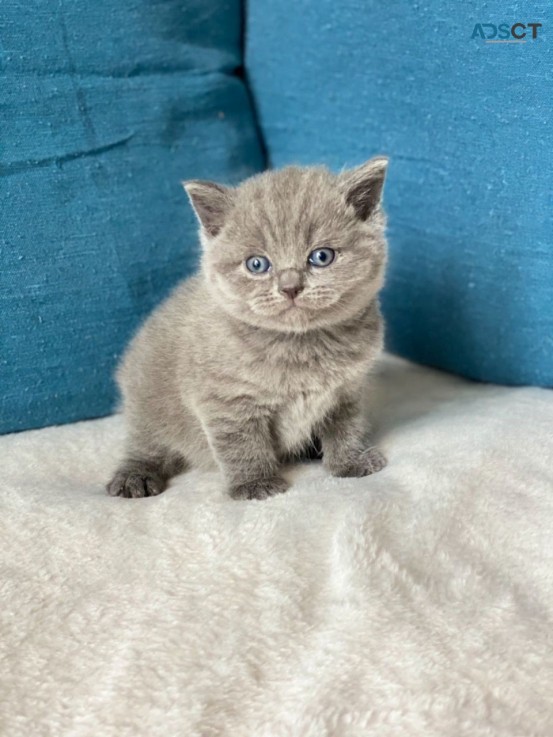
416, 602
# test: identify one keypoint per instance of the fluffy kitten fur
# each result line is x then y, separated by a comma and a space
235, 370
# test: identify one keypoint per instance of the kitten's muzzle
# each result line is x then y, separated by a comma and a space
290, 283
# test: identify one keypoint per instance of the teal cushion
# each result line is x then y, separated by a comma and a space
106, 106
468, 127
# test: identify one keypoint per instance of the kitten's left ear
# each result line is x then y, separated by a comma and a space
363, 186
211, 203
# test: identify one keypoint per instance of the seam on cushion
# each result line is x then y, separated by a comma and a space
228, 70
16, 167
242, 73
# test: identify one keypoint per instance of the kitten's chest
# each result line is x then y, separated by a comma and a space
303, 377
297, 418
305, 393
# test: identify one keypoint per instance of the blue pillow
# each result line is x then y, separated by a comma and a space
463, 106
106, 106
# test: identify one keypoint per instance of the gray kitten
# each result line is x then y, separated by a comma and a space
269, 346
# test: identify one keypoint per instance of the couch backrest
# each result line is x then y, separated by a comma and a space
106, 106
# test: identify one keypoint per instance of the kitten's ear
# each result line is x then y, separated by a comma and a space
211, 203
363, 186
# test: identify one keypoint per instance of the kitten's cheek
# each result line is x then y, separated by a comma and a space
228, 290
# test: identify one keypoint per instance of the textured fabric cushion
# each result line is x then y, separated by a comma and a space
106, 106
468, 127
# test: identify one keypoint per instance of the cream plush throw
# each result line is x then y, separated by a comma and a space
417, 602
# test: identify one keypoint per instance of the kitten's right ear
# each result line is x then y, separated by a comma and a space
211, 202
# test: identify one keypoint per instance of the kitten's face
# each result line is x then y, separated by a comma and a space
295, 249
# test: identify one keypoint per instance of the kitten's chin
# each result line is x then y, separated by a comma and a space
295, 319
292, 320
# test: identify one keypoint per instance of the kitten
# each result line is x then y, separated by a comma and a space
269, 346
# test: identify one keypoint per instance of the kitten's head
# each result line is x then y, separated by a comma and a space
294, 249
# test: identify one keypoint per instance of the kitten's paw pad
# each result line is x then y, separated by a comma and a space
259, 489
369, 462
134, 485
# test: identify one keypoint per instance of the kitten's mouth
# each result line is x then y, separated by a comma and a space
290, 306
289, 311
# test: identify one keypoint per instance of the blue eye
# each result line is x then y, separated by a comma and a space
258, 264
321, 257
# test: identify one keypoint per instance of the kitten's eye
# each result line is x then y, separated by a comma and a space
258, 264
321, 257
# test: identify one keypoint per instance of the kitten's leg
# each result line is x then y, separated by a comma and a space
147, 476
243, 446
346, 441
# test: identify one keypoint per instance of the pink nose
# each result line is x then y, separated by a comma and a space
291, 292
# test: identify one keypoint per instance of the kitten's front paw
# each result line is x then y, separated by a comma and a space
369, 461
134, 485
259, 489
